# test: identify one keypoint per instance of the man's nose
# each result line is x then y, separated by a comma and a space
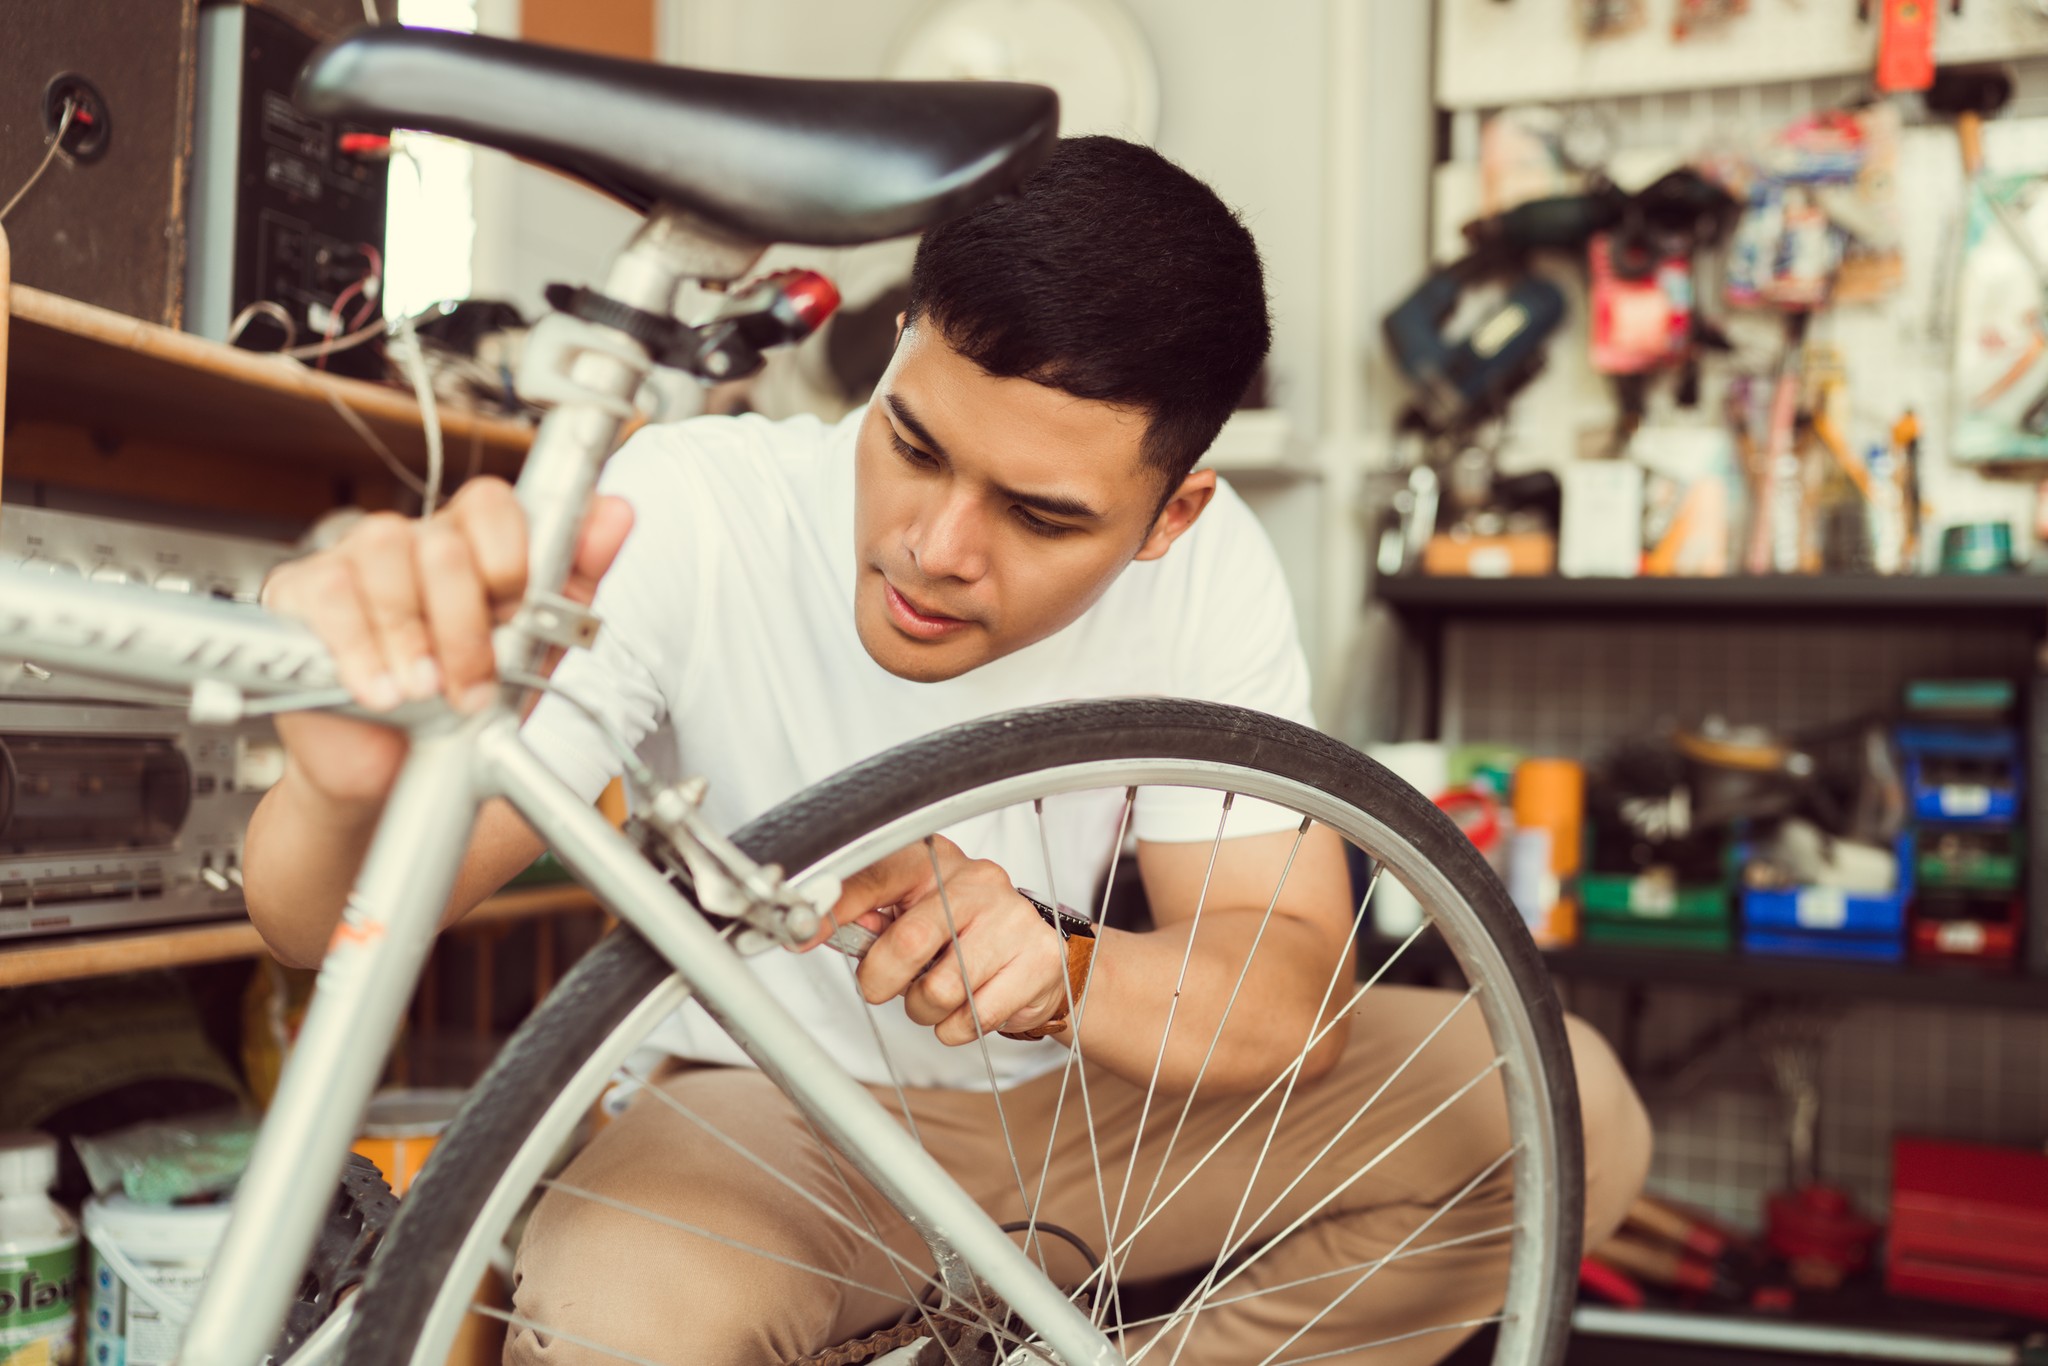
950, 541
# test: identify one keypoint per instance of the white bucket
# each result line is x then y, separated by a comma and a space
1425, 766
148, 1262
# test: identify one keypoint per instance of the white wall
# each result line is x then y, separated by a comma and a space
1299, 112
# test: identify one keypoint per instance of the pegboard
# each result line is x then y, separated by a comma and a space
1575, 690
1722, 1140
1897, 352
1496, 52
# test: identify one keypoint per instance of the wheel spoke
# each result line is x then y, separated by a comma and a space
1074, 1065
909, 1123
1332, 1274
1230, 1248
1216, 1040
1458, 1327
1165, 1038
988, 1065
739, 1245
1317, 1208
809, 1197
1418, 1231
875, 1234
1319, 1028
514, 1320
1284, 1078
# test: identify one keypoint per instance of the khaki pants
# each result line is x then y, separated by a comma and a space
646, 1288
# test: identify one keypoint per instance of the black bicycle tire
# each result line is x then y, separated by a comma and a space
589, 1002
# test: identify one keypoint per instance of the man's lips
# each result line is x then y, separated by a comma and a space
914, 620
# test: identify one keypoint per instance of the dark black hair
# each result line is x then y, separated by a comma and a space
1112, 275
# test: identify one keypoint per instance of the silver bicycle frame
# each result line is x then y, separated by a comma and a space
455, 764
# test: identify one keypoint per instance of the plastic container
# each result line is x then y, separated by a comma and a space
148, 1262
400, 1129
38, 1256
1550, 813
1425, 766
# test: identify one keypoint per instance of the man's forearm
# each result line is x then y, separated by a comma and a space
300, 858
1131, 993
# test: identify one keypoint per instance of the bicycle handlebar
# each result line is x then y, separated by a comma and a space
142, 635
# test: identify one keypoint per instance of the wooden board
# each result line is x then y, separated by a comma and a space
99, 955
1491, 54
75, 364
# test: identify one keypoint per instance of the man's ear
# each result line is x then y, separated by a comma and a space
1182, 508
902, 322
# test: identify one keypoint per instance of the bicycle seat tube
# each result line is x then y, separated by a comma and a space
560, 472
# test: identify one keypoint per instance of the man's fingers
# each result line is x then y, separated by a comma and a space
1013, 1000
604, 533
487, 516
382, 555
321, 592
903, 876
458, 613
940, 989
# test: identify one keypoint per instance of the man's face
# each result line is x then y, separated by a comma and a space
989, 513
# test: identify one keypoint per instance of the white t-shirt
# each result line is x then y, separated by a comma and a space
729, 651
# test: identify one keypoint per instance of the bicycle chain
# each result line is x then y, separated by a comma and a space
874, 1345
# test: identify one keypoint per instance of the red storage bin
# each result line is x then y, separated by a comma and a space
1969, 1224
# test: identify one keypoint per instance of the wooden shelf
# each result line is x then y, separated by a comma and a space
25, 962
120, 381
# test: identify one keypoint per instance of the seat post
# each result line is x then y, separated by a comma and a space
607, 367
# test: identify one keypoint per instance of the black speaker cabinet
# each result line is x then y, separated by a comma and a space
106, 225
110, 223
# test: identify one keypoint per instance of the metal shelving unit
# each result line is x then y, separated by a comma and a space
2007, 602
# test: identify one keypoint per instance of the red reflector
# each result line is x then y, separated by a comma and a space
812, 295
363, 144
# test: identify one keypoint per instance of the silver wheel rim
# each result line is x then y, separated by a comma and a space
1531, 1114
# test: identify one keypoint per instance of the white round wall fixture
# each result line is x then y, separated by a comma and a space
1090, 51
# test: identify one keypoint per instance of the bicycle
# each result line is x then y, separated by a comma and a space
827, 163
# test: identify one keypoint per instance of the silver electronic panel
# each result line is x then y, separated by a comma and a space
114, 810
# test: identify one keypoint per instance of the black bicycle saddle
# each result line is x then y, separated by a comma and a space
822, 163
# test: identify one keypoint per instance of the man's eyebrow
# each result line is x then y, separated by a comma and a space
917, 428
1052, 503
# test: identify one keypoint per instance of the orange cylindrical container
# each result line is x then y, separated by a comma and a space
401, 1127
1550, 806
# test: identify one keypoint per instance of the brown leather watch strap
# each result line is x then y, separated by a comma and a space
1080, 956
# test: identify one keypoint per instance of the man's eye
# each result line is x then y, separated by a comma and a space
1038, 526
922, 459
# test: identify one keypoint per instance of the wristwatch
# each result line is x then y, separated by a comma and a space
1068, 921
1077, 932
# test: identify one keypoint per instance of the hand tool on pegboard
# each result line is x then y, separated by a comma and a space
1905, 41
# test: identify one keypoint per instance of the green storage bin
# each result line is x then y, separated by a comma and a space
1953, 862
1651, 900
1640, 934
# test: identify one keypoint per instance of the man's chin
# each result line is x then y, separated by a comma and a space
918, 661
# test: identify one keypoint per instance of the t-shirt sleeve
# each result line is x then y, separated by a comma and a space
1237, 643
633, 676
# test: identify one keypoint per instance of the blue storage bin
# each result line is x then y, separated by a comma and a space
1860, 948
1821, 911
1964, 775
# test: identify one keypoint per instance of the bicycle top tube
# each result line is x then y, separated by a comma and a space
140, 635
758, 158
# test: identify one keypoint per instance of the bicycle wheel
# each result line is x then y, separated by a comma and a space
1181, 1232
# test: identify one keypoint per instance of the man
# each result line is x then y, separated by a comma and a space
1013, 519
